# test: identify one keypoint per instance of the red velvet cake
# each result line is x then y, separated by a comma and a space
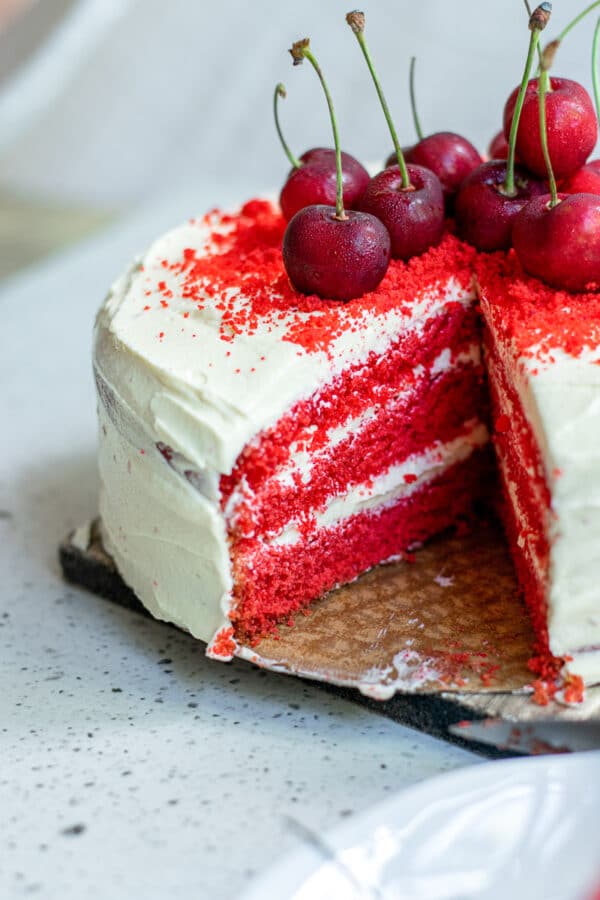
259, 447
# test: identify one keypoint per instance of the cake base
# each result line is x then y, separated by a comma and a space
428, 642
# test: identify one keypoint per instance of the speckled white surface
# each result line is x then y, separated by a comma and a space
130, 765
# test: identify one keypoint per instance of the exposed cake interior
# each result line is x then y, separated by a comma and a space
543, 364
259, 447
384, 454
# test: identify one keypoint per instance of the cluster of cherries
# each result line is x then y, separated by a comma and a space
538, 194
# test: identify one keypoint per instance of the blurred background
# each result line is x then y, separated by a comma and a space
108, 104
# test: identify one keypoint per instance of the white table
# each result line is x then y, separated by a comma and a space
130, 766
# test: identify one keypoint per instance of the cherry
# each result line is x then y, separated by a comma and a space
327, 251
415, 216
448, 155
313, 178
485, 212
492, 196
557, 237
572, 127
408, 199
498, 148
333, 257
315, 181
585, 181
561, 244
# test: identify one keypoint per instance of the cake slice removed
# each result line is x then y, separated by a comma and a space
542, 350
259, 447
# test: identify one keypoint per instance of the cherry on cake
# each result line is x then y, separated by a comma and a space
259, 447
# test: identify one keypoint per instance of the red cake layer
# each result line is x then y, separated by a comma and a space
376, 381
276, 581
437, 410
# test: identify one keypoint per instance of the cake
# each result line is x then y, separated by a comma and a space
542, 353
282, 408
259, 447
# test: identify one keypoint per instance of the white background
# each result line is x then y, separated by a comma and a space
131, 97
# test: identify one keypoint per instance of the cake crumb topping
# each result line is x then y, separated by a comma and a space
240, 274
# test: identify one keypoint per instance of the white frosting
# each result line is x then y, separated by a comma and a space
560, 396
205, 398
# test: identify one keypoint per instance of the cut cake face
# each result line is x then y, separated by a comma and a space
542, 351
259, 447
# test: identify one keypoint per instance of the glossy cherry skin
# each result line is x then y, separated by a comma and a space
498, 148
448, 155
572, 127
415, 218
315, 182
585, 181
561, 245
337, 260
484, 215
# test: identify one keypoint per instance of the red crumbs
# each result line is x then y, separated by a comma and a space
223, 645
248, 257
538, 318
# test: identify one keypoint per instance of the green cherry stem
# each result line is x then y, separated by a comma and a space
280, 92
596, 67
538, 21
530, 13
413, 99
356, 21
544, 83
578, 19
301, 51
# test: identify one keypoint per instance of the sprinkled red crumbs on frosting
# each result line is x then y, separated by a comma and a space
533, 315
244, 252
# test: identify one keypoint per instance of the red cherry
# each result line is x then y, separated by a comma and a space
413, 216
337, 259
561, 245
449, 156
315, 181
572, 127
585, 181
484, 214
498, 148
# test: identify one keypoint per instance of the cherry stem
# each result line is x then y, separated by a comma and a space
306, 52
530, 13
544, 82
360, 37
509, 188
509, 182
596, 68
578, 19
280, 91
413, 99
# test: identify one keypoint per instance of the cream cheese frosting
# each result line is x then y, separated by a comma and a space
560, 396
168, 377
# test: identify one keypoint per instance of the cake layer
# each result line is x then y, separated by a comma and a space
545, 373
278, 580
438, 408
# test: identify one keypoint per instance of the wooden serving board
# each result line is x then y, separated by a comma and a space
431, 641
